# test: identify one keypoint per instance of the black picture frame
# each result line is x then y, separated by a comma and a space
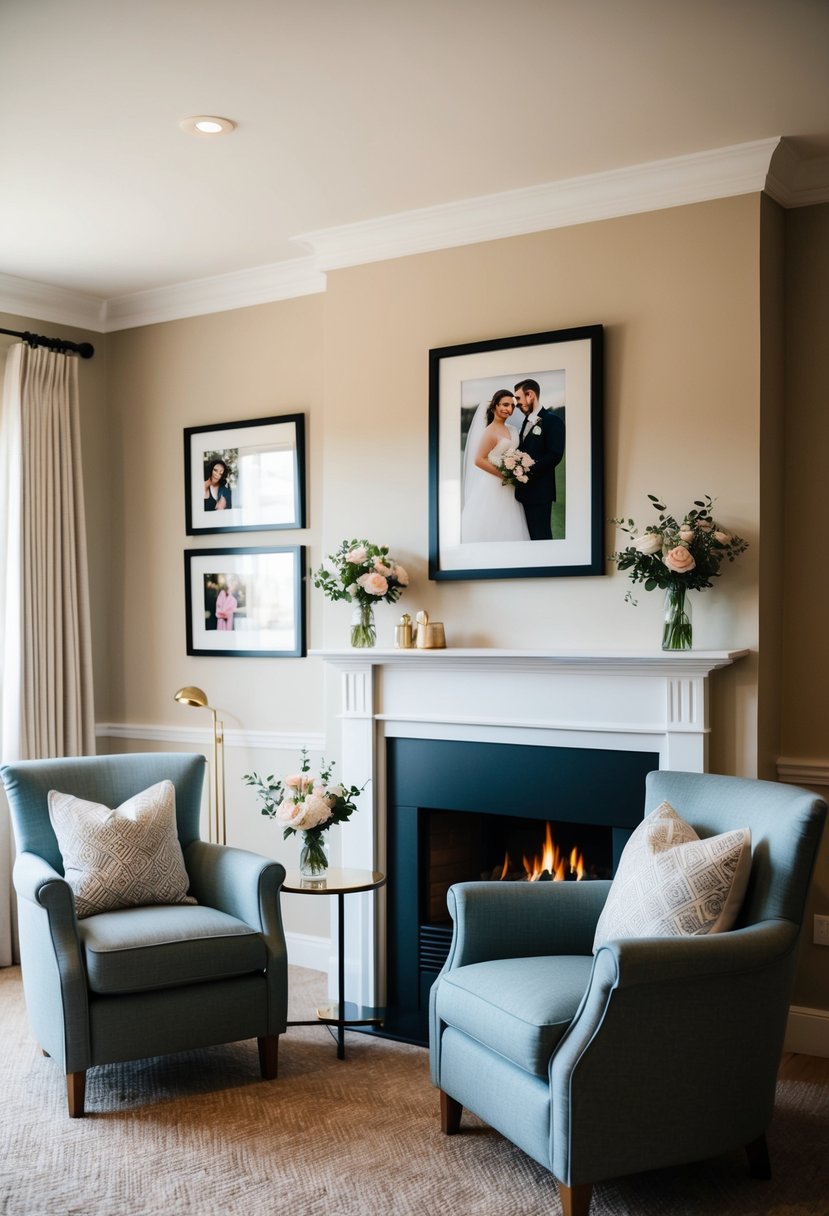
264, 483
267, 619
568, 366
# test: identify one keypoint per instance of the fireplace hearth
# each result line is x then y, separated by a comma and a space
455, 808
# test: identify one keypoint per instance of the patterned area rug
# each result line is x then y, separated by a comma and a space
201, 1133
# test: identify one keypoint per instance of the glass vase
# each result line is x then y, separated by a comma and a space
313, 860
677, 630
363, 629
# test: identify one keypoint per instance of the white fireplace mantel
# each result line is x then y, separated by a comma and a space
646, 701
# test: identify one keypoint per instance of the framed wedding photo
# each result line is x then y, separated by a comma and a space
515, 457
245, 476
248, 603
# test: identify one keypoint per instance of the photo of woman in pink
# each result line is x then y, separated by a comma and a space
227, 603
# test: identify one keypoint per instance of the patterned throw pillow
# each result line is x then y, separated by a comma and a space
669, 883
121, 858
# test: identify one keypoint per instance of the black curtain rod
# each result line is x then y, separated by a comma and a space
85, 349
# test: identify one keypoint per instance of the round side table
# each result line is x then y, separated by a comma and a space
340, 883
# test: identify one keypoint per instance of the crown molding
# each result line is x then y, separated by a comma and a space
680, 180
218, 293
44, 302
797, 180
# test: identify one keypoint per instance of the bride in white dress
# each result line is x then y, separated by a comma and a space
490, 511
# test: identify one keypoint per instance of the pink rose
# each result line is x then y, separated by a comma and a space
373, 583
288, 810
509, 462
723, 537
679, 560
381, 567
296, 781
401, 576
357, 556
686, 534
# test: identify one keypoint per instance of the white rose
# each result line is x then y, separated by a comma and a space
337, 791
536, 430
353, 589
357, 556
686, 534
650, 543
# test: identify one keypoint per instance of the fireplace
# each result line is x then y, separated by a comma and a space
454, 808
601, 716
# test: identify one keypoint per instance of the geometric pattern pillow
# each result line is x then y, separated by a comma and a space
124, 857
670, 883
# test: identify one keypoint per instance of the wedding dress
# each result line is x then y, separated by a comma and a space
490, 511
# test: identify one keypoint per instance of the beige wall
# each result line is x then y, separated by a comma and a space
678, 293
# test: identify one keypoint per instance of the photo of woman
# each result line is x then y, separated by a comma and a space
218, 495
490, 510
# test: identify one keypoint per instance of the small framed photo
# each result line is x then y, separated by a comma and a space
245, 476
246, 602
515, 457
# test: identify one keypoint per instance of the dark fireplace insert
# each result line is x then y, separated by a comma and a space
460, 811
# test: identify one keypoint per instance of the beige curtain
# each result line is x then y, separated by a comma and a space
45, 649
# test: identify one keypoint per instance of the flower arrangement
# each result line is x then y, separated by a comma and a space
306, 804
364, 574
677, 557
513, 466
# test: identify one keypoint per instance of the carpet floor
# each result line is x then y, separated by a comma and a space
200, 1133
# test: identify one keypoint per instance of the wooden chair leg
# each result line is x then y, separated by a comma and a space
759, 1165
575, 1200
76, 1093
268, 1055
450, 1115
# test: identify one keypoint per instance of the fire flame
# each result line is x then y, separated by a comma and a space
552, 860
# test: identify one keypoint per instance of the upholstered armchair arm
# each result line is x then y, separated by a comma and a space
54, 976
246, 886
673, 1052
519, 920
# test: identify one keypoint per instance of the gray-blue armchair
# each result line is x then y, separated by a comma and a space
657, 1050
144, 981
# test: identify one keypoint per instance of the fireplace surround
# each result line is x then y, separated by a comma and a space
594, 714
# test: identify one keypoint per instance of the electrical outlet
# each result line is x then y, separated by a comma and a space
821, 937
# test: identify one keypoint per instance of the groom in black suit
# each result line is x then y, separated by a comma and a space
542, 436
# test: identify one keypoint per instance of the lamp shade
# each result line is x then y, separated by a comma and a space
192, 696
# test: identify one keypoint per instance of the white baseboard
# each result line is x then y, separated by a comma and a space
307, 951
807, 1031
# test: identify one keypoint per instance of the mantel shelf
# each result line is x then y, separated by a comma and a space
624, 662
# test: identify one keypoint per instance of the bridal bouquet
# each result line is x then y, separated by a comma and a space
364, 574
513, 465
306, 804
677, 557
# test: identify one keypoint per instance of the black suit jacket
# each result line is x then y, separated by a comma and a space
546, 450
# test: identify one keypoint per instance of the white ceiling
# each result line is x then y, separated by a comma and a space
350, 110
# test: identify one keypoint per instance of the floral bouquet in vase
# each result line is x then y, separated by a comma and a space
513, 465
677, 557
309, 805
364, 574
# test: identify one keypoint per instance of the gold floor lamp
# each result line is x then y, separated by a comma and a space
217, 818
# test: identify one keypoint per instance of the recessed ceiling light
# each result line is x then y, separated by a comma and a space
207, 124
